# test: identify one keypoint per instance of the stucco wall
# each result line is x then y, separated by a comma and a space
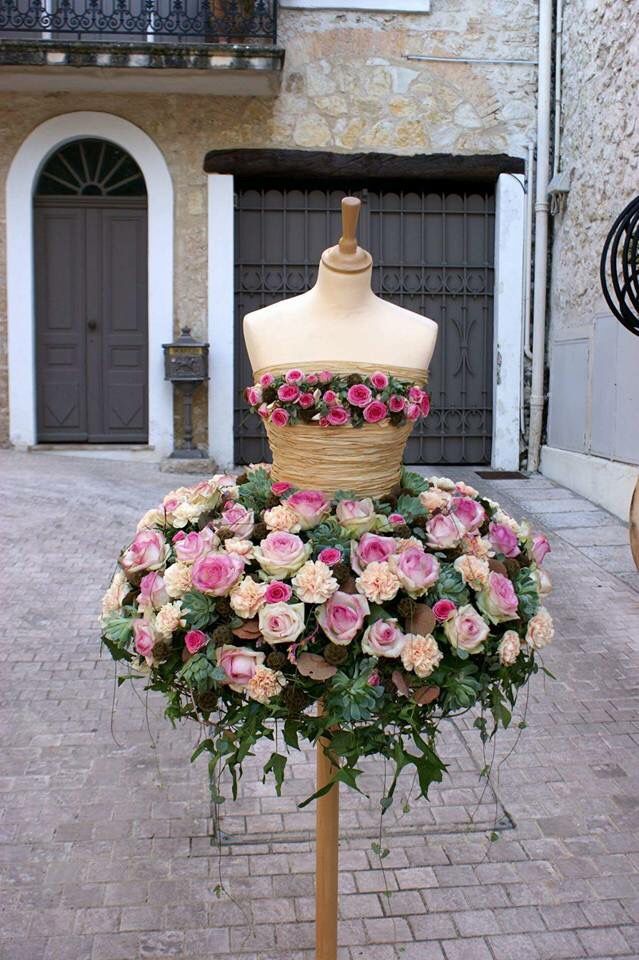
347, 87
594, 361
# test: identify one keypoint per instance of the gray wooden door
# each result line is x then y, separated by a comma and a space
432, 250
91, 319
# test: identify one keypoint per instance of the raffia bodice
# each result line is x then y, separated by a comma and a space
365, 460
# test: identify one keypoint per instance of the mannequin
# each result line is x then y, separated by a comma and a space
340, 318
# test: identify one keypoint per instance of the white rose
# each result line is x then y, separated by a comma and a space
281, 622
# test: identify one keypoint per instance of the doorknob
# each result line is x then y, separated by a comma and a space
92, 324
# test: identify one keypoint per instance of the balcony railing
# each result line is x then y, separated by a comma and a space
192, 22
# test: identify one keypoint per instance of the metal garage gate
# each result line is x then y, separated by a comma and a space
432, 251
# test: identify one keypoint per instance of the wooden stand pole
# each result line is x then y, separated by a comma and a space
326, 860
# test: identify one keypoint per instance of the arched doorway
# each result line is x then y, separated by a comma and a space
91, 323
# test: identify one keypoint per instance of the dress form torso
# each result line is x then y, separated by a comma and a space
340, 319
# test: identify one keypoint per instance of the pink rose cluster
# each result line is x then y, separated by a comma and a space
333, 400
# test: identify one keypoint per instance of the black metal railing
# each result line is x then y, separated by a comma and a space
168, 21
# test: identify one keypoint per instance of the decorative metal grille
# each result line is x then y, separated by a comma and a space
433, 253
620, 267
91, 168
182, 21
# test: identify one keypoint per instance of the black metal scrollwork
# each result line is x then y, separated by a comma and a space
619, 269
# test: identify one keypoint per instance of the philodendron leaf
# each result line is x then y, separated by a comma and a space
276, 765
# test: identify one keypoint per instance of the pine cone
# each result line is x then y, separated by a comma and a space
276, 660
206, 701
396, 417
335, 654
223, 606
405, 607
269, 394
260, 530
294, 699
272, 501
341, 572
391, 500
161, 650
306, 414
222, 635
401, 530
242, 478
420, 522
353, 379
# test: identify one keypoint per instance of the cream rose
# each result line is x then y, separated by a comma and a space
421, 654
281, 554
509, 647
152, 518
239, 664
378, 582
247, 597
467, 630
383, 639
415, 569
356, 516
342, 616
314, 582
148, 551
281, 622
189, 547
498, 600
541, 630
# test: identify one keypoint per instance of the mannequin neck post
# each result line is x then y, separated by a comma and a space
347, 291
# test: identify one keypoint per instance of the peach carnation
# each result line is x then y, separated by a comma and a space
509, 647
540, 630
500, 516
434, 499
282, 518
265, 684
477, 547
474, 571
421, 654
118, 589
168, 619
177, 579
466, 489
405, 544
314, 582
247, 598
243, 548
378, 582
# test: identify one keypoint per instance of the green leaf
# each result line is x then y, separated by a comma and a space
345, 495
256, 492
276, 765
450, 585
413, 482
116, 651
118, 630
207, 744
199, 610
198, 673
410, 507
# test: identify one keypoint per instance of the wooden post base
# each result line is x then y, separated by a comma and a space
326, 860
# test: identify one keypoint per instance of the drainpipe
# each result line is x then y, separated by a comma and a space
541, 233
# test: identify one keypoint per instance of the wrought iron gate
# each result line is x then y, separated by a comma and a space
432, 251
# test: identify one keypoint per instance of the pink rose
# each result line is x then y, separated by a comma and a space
371, 549
239, 664
396, 518
415, 394
498, 600
281, 554
254, 396
325, 376
294, 376
444, 532
467, 630
216, 574
189, 547
342, 616
152, 591
379, 380
237, 518
337, 417
280, 487
306, 400
278, 592
359, 395
310, 506
330, 398
375, 411
396, 403
413, 411
288, 392
262, 411
279, 417
444, 609
194, 640
281, 622
266, 379
356, 516
503, 540
144, 638
383, 639
415, 569
330, 556
147, 552
469, 512
424, 405
312, 378
539, 547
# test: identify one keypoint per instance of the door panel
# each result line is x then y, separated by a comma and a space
432, 252
91, 310
60, 308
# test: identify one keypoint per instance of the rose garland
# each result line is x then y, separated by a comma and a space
333, 400
245, 602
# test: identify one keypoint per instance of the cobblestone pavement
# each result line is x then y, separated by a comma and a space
105, 827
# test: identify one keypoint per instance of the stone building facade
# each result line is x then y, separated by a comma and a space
593, 429
347, 86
